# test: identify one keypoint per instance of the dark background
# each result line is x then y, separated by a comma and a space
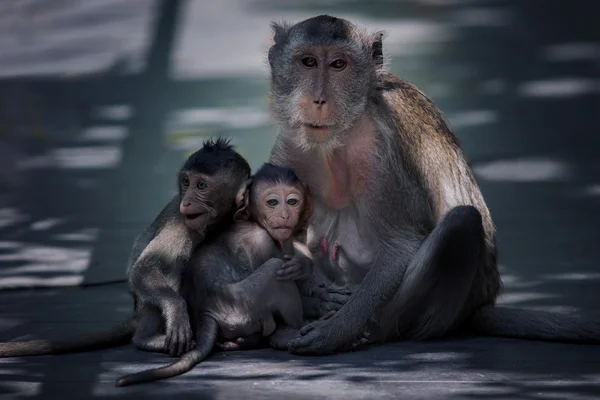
101, 101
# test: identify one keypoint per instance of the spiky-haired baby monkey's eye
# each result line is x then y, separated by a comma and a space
185, 181
292, 202
272, 202
309, 62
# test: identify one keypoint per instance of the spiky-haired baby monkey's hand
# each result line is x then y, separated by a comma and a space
178, 332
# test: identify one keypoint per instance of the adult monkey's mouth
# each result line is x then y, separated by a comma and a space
316, 126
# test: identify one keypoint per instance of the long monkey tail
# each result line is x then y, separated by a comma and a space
119, 335
206, 337
534, 325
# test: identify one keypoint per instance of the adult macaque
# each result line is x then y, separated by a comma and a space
237, 283
393, 192
212, 192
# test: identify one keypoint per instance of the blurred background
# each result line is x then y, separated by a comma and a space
101, 102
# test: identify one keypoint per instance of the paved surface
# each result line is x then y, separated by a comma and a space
90, 142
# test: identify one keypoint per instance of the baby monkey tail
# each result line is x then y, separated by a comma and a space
206, 338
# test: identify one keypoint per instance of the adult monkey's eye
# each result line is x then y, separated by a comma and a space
272, 202
202, 185
338, 64
309, 61
185, 181
292, 202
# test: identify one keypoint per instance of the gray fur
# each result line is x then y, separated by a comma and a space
231, 288
160, 322
417, 237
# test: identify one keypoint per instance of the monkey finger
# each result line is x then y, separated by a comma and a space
343, 290
331, 306
296, 345
307, 328
310, 345
174, 349
168, 339
183, 343
289, 273
338, 298
290, 264
328, 315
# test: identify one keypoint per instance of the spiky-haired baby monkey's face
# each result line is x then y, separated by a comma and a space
205, 198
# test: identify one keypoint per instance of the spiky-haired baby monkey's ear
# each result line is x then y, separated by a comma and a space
242, 202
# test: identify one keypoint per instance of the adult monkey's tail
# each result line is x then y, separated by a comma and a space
118, 335
534, 325
206, 338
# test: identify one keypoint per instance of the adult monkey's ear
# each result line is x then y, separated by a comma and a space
280, 33
377, 49
242, 202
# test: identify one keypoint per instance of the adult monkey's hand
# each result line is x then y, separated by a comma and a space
390, 183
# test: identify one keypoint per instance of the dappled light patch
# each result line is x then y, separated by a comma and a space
31, 281
523, 170
573, 276
592, 190
45, 224
437, 357
559, 87
411, 36
83, 235
82, 38
22, 388
482, 17
572, 51
76, 158
116, 112
30, 264
234, 117
10, 216
104, 133
472, 118
523, 297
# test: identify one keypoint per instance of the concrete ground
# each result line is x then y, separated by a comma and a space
100, 102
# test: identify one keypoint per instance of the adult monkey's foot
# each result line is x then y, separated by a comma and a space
328, 335
362, 339
333, 297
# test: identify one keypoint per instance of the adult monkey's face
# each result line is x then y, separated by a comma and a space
320, 84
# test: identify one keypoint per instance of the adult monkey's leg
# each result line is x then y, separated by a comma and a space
438, 280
